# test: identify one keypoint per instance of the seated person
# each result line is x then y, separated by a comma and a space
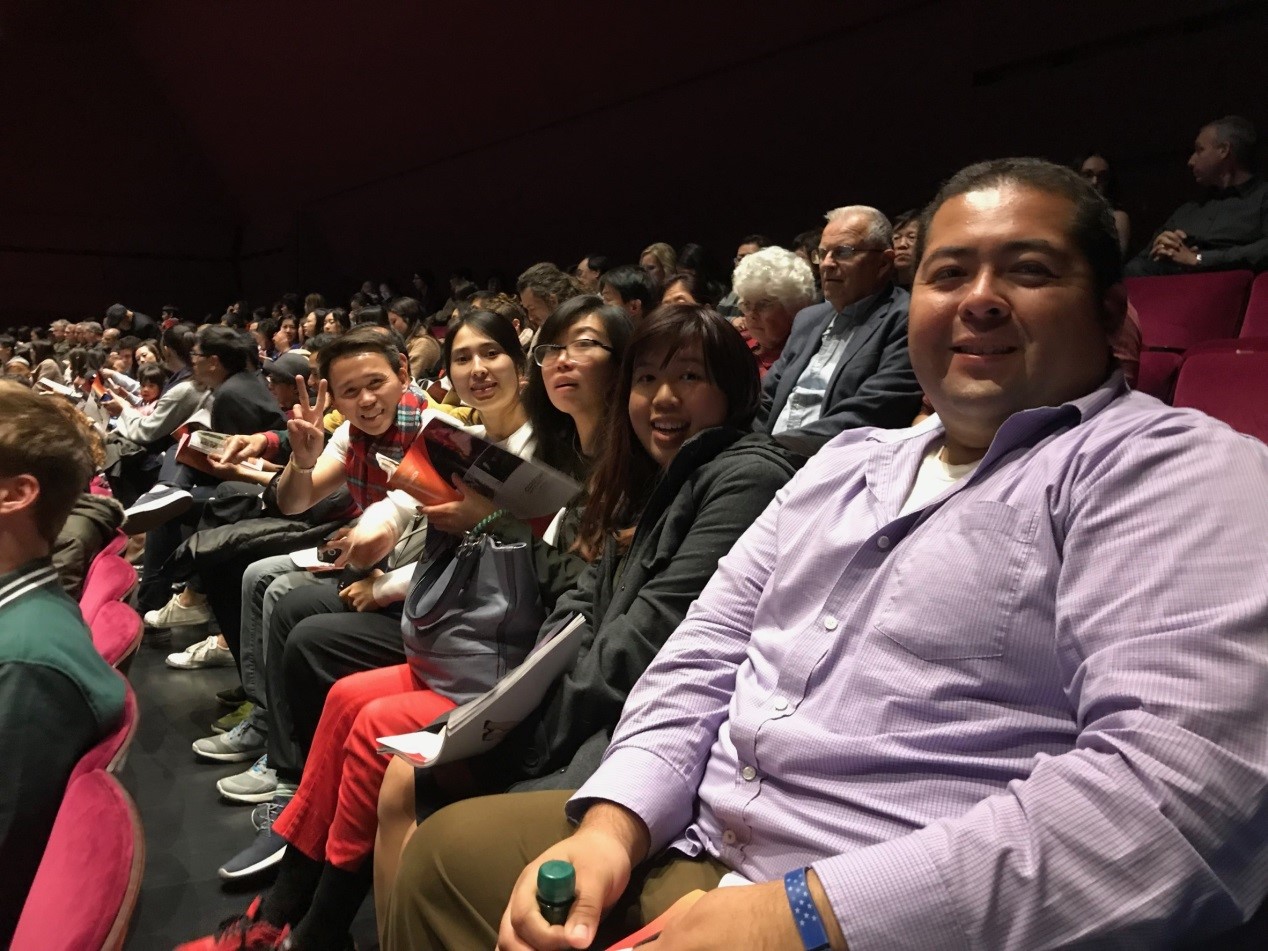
93, 519
1096, 168
1057, 740
181, 397
240, 404
772, 286
630, 287
845, 364
58, 698
542, 288
906, 231
1227, 228
329, 825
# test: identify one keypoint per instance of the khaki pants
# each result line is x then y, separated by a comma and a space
459, 868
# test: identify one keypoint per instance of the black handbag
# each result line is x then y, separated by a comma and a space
472, 615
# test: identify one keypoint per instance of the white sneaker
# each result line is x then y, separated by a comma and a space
201, 654
175, 614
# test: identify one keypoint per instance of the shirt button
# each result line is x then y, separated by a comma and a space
749, 773
728, 837
830, 623
781, 704
883, 542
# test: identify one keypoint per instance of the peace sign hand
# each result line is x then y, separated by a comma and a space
305, 427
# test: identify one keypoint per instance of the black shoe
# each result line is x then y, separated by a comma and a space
232, 698
157, 638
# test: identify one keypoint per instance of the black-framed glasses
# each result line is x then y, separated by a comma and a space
581, 350
841, 252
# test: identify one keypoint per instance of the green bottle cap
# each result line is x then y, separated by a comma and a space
556, 882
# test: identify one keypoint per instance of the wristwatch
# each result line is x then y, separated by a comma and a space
1197, 259
814, 936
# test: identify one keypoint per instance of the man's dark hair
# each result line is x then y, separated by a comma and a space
374, 314
1091, 226
8, 340
314, 343
292, 304
364, 338
758, 239
232, 348
807, 241
1238, 133
549, 283
463, 291
115, 315
267, 328
128, 343
632, 283
598, 262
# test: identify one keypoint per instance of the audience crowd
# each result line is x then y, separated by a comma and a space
902, 612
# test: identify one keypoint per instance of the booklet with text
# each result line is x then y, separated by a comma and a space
444, 450
480, 724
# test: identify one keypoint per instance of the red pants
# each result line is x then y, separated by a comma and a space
334, 814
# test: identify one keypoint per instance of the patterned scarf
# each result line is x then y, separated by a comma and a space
367, 483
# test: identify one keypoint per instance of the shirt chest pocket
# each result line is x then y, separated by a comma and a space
955, 585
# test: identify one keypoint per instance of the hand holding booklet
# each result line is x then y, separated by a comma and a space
480, 724
444, 450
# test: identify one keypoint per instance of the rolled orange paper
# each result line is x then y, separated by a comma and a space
417, 476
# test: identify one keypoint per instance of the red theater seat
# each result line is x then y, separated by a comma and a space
1228, 380
116, 632
109, 578
87, 884
1180, 310
1255, 323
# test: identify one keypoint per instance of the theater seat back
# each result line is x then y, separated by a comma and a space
87, 884
109, 578
1255, 323
1180, 310
116, 632
1230, 384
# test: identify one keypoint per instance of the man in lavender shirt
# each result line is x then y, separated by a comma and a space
996, 681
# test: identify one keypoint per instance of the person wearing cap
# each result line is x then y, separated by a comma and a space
279, 377
130, 321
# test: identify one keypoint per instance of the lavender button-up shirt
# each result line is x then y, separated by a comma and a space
1032, 713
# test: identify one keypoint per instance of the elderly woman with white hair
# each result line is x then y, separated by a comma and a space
772, 285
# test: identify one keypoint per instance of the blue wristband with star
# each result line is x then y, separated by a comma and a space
814, 937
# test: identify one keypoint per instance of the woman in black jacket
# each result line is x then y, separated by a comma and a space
680, 479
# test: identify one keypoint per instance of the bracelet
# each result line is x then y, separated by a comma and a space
814, 937
488, 520
291, 462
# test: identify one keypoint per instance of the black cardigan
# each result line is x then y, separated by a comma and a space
716, 487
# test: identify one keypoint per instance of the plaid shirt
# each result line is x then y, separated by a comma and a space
367, 483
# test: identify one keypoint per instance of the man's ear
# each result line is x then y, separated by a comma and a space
635, 307
1114, 309
18, 492
403, 369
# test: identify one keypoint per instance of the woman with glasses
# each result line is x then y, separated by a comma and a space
680, 477
329, 824
1096, 168
772, 285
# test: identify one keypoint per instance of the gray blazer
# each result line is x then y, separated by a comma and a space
872, 384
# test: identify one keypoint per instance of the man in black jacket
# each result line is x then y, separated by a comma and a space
241, 404
129, 321
845, 365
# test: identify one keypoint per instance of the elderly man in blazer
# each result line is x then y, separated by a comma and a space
845, 364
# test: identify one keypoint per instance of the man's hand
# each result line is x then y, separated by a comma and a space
308, 437
238, 449
603, 851
360, 594
113, 407
461, 516
1173, 246
362, 547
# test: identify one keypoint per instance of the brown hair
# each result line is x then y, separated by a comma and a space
40, 438
624, 474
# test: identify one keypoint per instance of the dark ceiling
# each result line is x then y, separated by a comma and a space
195, 152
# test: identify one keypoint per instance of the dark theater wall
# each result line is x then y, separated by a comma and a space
194, 154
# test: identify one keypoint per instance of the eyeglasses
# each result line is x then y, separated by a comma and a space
842, 252
581, 350
764, 303
196, 353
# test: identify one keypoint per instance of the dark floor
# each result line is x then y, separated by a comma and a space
189, 829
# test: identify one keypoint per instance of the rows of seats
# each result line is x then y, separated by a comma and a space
1204, 339
89, 878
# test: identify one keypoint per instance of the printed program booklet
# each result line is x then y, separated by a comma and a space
444, 450
480, 724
